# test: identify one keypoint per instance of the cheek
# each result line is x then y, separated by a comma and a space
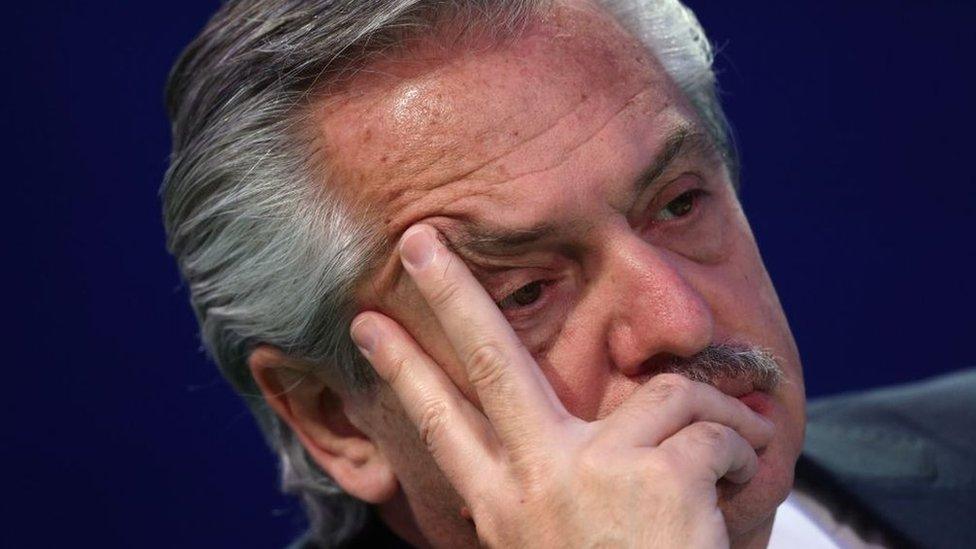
576, 366
431, 496
741, 296
736, 285
746, 308
708, 235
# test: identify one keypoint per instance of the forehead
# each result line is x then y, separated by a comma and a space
411, 136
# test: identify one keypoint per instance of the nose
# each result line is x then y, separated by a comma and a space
656, 311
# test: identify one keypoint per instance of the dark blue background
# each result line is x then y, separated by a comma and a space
855, 120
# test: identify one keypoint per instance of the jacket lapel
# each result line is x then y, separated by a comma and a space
892, 469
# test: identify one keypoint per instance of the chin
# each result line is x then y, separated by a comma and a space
749, 508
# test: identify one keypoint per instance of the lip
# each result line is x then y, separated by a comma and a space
759, 401
734, 387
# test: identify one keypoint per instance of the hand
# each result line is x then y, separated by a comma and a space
643, 476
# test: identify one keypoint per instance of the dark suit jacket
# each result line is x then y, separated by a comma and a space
904, 457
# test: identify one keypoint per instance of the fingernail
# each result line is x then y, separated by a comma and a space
417, 248
365, 335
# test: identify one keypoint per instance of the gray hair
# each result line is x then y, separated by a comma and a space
269, 253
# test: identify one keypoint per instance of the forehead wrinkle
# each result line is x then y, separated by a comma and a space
574, 146
511, 148
425, 160
418, 199
433, 161
480, 181
480, 242
487, 242
443, 202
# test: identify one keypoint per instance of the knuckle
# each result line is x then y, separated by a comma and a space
666, 472
665, 464
445, 293
539, 484
431, 423
712, 435
590, 461
669, 386
485, 364
396, 365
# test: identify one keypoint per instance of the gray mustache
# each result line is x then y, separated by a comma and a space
730, 360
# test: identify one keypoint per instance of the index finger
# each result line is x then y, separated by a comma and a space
514, 393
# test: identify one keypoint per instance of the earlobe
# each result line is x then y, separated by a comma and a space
316, 413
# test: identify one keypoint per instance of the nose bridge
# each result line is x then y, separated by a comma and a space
657, 310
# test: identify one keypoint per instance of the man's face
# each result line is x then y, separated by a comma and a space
580, 187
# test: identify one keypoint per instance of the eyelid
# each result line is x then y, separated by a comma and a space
527, 319
508, 288
696, 194
655, 202
652, 195
542, 297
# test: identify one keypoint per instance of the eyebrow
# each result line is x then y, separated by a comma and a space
682, 142
498, 241
685, 141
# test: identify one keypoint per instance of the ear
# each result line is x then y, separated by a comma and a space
317, 415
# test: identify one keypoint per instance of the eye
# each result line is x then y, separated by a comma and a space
680, 206
523, 297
